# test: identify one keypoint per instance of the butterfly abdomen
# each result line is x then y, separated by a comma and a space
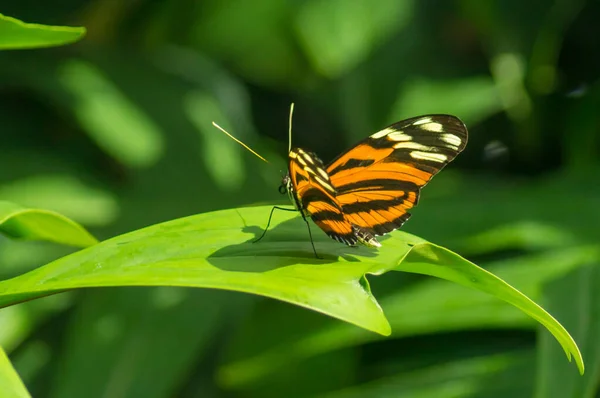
365, 237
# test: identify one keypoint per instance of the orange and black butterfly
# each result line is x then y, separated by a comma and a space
367, 191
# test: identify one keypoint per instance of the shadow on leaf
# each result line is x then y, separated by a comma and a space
285, 244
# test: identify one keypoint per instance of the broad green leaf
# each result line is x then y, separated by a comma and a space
258, 350
211, 250
434, 260
15, 34
22, 223
10, 383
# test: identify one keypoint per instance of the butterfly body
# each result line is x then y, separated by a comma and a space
368, 190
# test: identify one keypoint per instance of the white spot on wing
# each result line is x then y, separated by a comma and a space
433, 127
413, 145
399, 136
422, 121
323, 173
451, 139
382, 133
309, 170
433, 157
324, 183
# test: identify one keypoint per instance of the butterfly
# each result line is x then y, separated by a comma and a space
368, 190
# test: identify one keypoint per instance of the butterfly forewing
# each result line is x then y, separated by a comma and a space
378, 180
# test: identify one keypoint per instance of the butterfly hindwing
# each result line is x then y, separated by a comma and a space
312, 188
379, 180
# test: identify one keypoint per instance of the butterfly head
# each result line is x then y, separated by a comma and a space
287, 187
285, 184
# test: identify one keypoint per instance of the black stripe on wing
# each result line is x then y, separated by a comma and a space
426, 142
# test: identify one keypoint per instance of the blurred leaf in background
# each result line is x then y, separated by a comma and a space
15, 34
12, 386
114, 132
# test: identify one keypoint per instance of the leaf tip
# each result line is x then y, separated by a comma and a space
580, 364
578, 358
384, 329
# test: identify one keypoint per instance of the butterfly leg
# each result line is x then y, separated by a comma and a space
269, 222
311, 238
303, 217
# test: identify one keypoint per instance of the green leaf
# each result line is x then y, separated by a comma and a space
15, 34
22, 223
64, 194
258, 351
10, 383
436, 261
212, 251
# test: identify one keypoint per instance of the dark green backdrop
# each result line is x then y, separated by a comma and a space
114, 131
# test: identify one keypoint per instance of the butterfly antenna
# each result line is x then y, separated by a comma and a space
290, 127
239, 142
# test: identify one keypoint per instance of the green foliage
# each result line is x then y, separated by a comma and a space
15, 34
12, 386
211, 251
337, 35
22, 223
115, 134
171, 254
474, 99
100, 105
411, 313
490, 376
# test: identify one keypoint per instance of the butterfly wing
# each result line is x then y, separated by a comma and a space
314, 195
379, 180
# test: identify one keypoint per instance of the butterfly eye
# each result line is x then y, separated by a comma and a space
282, 189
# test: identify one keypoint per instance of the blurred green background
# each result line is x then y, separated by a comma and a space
115, 133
